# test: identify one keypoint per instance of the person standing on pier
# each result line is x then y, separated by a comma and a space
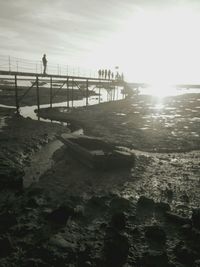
112, 75
106, 74
44, 61
99, 72
102, 73
109, 73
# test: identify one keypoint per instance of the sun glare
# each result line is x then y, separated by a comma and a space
161, 90
157, 46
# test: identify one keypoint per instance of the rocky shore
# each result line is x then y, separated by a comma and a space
145, 216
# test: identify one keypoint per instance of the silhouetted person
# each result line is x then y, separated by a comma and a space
122, 76
117, 76
99, 72
102, 73
112, 75
106, 72
44, 61
109, 73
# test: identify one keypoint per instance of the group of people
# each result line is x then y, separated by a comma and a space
103, 74
107, 74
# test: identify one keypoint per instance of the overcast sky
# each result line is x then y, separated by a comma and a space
142, 36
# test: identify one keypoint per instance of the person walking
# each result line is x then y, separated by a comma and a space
109, 73
44, 61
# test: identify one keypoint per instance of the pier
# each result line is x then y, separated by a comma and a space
55, 83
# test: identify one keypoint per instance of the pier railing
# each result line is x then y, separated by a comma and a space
15, 64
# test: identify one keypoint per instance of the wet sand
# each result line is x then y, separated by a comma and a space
102, 222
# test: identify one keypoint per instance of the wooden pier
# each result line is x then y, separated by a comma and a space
71, 83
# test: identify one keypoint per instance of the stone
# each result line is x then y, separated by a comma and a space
118, 221
116, 248
176, 218
11, 175
186, 229
154, 258
155, 233
61, 243
145, 203
120, 204
60, 215
162, 207
197, 263
6, 247
7, 220
184, 254
196, 218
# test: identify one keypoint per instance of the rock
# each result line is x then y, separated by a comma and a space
184, 254
11, 175
116, 248
176, 218
186, 229
32, 262
195, 237
98, 203
120, 204
154, 258
6, 247
61, 243
155, 233
197, 263
145, 203
118, 221
84, 256
7, 220
60, 215
196, 218
162, 207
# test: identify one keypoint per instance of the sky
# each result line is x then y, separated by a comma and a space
152, 41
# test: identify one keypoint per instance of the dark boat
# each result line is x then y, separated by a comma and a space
96, 153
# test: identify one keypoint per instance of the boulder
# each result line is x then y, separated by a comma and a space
6, 247
196, 218
184, 254
145, 203
120, 204
162, 207
176, 218
118, 221
11, 175
60, 215
154, 258
116, 248
7, 220
155, 233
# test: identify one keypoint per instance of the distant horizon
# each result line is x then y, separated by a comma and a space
150, 41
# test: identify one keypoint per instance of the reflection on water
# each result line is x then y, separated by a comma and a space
161, 91
2, 122
28, 111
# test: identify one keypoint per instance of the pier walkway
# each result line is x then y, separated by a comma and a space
55, 83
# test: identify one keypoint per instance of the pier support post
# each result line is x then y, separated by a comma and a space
99, 92
67, 92
51, 93
72, 93
38, 95
87, 92
16, 95
114, 94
